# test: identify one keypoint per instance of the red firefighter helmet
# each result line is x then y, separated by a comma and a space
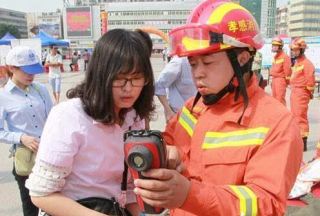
214, 26
277, 41
298, 43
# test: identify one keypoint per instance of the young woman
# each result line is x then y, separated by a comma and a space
81, 153
24, 105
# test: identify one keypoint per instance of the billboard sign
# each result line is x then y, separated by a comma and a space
52, 29
79, 22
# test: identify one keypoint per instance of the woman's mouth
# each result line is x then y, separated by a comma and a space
127, 98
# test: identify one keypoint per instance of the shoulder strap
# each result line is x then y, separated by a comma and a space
124, 177
123, 199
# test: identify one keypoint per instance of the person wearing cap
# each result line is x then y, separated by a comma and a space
241, 148
303, 84
280, 70
24, 106
54, 61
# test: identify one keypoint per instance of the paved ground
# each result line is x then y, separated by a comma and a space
10, 204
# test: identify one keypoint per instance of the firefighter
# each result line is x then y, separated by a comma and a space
241, 148
303, 84
280, 70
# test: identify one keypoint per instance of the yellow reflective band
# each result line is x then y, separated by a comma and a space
247, 199
299, 68
187, 121
191, 117
304, 134
310, 88
192, 44
232, 143
28, 89
318, 145
186, 126
248, 137
288, 77
237, 133
301, 40
278, 61
221, 11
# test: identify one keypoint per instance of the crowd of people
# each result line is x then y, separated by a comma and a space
232, 149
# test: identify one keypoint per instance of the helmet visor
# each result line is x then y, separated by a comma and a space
190, 40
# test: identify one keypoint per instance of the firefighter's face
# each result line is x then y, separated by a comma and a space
295, 53
211, 72
275, 48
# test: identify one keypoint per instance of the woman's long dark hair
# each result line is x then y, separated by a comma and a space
117, 51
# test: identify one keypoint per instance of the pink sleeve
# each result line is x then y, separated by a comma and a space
61, 137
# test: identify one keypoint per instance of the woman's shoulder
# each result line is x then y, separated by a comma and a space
73, 106
69, 112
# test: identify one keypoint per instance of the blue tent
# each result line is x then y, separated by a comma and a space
46, 40
5, 40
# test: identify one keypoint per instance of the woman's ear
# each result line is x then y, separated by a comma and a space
243, 57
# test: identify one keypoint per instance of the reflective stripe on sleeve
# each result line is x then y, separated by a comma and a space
187, 121
248, 200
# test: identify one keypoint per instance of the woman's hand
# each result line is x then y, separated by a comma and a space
30, 142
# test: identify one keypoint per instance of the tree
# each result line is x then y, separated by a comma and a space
4, 28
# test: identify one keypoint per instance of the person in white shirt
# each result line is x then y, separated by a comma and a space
44, 56
54, 61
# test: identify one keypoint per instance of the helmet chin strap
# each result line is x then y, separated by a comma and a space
210, 99
236, 83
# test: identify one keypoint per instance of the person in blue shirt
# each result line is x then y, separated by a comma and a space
175, 86
24, 106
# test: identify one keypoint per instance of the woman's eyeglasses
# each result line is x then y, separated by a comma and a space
136, 82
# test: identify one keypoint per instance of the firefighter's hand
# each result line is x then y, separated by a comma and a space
167, 189
30, 142
174, 159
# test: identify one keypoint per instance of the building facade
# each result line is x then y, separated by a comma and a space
264, 11
15, 18
282, 20
304, 18
163, 16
